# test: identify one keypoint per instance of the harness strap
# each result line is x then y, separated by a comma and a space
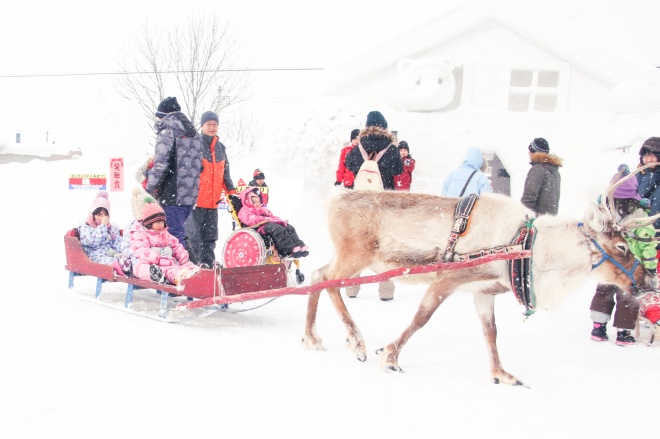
461, 216
606, 257
506, 249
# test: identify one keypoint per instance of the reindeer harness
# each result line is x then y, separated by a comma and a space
520, 269
606, 257
461, 222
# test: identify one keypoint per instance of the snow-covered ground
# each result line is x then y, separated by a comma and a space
76, 369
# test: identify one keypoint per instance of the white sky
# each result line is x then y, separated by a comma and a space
77, 36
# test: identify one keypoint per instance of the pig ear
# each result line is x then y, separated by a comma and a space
404, 64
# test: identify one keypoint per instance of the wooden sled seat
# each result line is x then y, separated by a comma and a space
206, 283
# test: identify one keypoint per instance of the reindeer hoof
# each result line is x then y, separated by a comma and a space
517, 383
361, 356
313, 344
392, 368
380, 351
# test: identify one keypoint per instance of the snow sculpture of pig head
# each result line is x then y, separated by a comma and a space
425, 84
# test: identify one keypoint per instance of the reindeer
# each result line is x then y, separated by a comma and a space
389, 230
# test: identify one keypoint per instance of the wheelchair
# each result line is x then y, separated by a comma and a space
245, 247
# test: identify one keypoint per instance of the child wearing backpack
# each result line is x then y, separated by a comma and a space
377, 144
101, 240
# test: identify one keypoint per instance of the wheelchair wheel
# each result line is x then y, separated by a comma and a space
244, 248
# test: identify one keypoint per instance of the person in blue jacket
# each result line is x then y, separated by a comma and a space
649, 179
468, 178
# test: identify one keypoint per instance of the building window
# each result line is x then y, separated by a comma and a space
534, 90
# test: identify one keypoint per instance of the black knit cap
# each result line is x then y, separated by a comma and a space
207, 116
355, 133
376, 119
169, 105
652, 144
258, 174
404, 145
539, 145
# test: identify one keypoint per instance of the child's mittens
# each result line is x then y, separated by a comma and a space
184, 258
111, 252
164, 261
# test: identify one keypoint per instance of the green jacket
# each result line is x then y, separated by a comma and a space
644, 251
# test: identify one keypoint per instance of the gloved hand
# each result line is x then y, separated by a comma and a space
645, 203
164, 262
111, 252
337, 183
624, 169
184, 258
166, 251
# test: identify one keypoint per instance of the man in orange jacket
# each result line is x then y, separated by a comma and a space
214, 180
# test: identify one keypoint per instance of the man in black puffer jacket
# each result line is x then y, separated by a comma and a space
174, 178
374, 138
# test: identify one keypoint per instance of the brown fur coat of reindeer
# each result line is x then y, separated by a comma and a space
387, 230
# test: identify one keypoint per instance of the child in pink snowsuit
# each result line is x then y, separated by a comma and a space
158, 255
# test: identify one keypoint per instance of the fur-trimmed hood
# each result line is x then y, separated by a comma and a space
551, 159
375, 132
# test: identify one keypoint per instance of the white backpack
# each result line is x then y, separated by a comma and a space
368, 177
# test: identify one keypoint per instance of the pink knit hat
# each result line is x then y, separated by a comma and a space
152, 213
101, 200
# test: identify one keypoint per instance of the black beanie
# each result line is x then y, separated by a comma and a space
169, 105
652, 144
209, 115
376, 119
539, 145
354, 134
258, 174
404, 145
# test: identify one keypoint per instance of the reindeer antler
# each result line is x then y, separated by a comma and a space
607, 201
633, 223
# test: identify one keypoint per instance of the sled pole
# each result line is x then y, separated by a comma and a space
341, 283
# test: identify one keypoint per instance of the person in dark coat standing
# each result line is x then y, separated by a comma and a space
543, 183
403, 181
649, 179
343, 175
374, 138
215, 179
174, 178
